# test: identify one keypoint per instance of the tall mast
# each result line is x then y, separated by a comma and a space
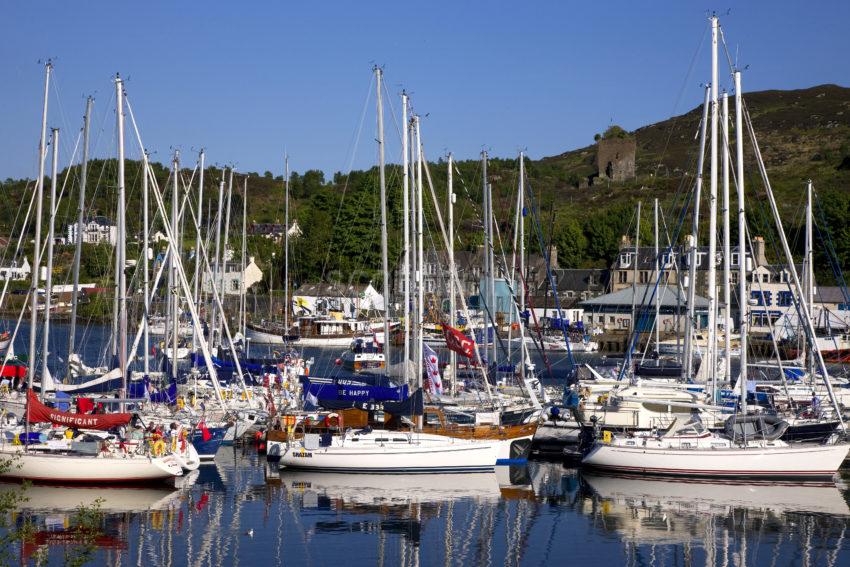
743, 316
450, 195
285, 248
78, 244
174, 259
521, 285
635, 271
489, 314
223, 274
48, 280
36, 264
658, 278
198, 236
712, 222
216, 260
146, 261
122, 241
693, 253
420, 303
727, 245
405, 138
384, 253
242, 289
809, 274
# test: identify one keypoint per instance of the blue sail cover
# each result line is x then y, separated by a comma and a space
141, 388
354, 392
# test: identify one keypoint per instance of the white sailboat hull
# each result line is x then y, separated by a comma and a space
420, 453
814, 461
61, 468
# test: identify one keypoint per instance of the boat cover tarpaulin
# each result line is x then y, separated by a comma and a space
37, 412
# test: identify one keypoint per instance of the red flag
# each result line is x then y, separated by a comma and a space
458, 342
205, 433
84, 405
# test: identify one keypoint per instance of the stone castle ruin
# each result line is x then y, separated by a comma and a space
615, 159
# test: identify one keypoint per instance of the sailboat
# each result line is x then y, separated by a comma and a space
751, 446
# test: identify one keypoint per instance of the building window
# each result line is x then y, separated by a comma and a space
625, 323
644, 277
234, 284
626, 259
784, 299
571, 294
762, 298
844, 306
622, 276
610, 319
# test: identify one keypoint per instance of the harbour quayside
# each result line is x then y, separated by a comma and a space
434, 359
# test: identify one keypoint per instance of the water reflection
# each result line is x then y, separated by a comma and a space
241, 510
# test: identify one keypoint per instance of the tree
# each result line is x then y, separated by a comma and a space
571, 243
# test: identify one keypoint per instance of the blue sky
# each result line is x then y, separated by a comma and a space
248, 79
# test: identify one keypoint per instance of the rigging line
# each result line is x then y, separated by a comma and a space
832, 256
354, 144
679, 98
535, 216
640, 319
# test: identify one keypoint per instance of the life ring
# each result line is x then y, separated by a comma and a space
334, 420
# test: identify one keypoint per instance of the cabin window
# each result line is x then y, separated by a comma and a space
734, 259
400, 439
381, 439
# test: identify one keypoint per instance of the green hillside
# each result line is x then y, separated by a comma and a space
803, 134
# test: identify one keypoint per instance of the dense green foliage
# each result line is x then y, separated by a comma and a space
803, 134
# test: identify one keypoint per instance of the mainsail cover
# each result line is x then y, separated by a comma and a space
37, 412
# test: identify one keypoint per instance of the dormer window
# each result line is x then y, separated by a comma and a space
626, 259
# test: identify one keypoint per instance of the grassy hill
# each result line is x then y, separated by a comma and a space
802, 133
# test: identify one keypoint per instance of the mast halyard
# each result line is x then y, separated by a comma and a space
78, 243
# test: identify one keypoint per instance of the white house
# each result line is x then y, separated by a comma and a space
235, 281
95, 230
322, 297
16, 272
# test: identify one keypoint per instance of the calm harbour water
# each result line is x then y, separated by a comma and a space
541, 514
